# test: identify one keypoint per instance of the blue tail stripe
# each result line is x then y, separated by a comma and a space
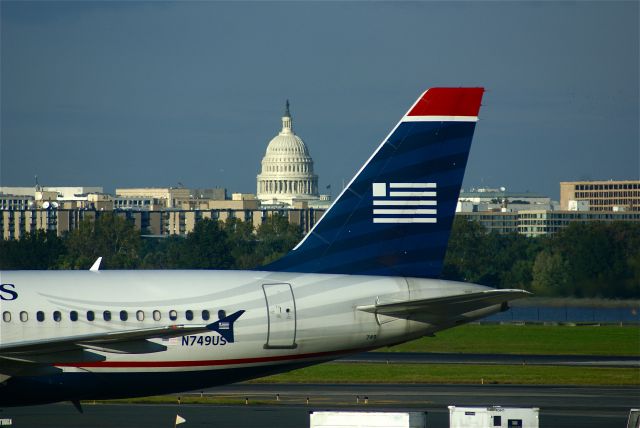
347, 240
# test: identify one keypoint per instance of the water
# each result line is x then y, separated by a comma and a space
575, 314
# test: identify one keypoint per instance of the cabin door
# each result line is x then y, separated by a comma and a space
281, 314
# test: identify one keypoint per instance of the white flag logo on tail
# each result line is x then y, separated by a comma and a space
404, 203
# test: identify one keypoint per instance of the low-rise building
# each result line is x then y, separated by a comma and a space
622, 195
542, 222
15, 223
174, 197
486, 199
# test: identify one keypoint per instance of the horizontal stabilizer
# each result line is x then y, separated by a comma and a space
446, 307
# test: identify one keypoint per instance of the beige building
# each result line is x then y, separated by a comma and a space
154, 198
66, 193
174, 197
52, 197
601, 195
15, 223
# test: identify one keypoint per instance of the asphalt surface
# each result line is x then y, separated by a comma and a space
560, 407
493, 359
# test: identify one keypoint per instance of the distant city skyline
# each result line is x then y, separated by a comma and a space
132, 94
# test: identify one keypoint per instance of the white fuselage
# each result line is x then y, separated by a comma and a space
288, 319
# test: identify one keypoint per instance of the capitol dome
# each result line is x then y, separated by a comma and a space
287, 168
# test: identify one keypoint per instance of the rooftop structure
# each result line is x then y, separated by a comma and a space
476, 200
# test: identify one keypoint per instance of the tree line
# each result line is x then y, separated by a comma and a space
590, 259
212, 244
593, 259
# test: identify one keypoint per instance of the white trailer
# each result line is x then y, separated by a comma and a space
367, 419
493, 417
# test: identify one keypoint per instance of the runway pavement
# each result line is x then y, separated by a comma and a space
560, 407
493, 359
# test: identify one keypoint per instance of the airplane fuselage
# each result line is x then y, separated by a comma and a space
290, 321
359, 280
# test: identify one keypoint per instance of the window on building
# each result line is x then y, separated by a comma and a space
24, 316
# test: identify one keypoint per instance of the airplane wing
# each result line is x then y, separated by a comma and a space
122, 341
447, 307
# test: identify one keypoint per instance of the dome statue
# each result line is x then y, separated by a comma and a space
287, 168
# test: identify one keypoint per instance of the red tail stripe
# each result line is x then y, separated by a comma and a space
449, 102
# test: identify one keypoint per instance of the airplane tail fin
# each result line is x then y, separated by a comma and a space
395, 216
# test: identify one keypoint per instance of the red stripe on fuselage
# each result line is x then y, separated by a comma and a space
196, 363
449, 102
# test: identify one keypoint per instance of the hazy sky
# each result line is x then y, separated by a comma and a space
156, 93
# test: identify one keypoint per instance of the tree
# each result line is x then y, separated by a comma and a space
463, 255
276, 237
111, 237
207, 247
37, 250
165, 253
242, 243
550, 274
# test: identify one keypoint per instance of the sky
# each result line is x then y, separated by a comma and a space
133, 94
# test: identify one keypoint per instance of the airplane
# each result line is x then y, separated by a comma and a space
365, 276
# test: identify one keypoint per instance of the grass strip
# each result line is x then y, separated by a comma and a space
183, 399
530, 339
457, 374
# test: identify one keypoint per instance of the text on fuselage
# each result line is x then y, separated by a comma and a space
7, 292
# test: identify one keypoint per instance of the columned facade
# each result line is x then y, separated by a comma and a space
287, 168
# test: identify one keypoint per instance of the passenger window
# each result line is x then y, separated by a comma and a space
6, 316
222, 314
106, 315
156, 315
40, 316
205, 315
91, 316
57, 316
173, 315
124, 316
140, 315
73, 316
24, 316
188, 315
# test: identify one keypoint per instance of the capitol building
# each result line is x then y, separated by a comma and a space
287, 169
